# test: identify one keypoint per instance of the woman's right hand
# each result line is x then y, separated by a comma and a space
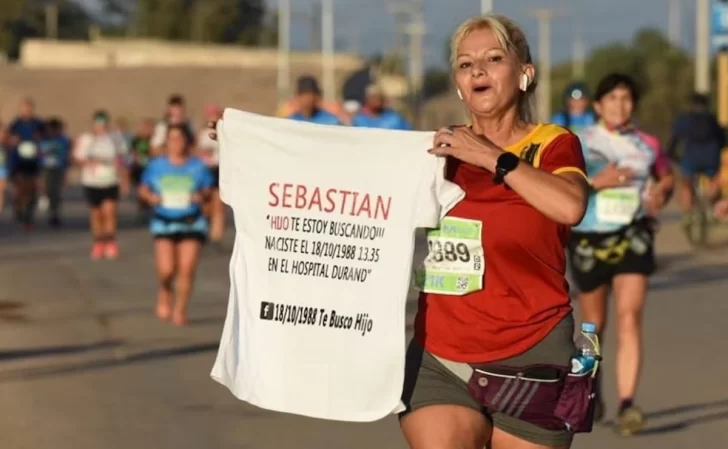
612, 176
213, 133
155, 200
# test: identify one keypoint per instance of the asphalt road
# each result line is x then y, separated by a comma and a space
85, 365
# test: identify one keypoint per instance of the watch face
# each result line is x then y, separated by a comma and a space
508, 161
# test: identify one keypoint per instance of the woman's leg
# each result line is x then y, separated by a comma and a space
25, 197
446, 426
188, 256
441, 412
164, 257
630, 291
109, 209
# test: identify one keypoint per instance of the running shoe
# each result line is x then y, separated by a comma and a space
630, 421
111, 251
97, 251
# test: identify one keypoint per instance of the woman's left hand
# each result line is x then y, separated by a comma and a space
196, 198
656, 198
462, 143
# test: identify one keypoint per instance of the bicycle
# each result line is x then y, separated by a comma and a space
701, 218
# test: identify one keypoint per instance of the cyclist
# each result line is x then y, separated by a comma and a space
101, 154
176, 185
613, 247
697, 141
576, 114
375, 114
308, 104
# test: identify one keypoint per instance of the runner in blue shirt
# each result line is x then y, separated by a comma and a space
25, 161
375, 114
26, 125
176, 186
308, 100
55, 150
576, 114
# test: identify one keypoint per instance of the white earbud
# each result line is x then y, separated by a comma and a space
460, 94
525, 82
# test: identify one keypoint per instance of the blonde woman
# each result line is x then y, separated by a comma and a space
502, 306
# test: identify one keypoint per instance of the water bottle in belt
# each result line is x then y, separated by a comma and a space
587, 349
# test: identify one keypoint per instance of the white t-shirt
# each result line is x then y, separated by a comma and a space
159, 136
325, 220
103, 155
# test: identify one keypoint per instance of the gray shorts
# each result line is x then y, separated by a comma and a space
430, 380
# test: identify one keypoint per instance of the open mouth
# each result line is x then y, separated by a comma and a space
480, 89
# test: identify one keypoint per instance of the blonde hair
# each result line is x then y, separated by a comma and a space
511, 38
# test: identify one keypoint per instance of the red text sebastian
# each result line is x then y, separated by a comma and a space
329, 200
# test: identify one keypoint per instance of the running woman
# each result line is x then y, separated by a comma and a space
613, 247
525, 188
101, 154
207, 150
176, 185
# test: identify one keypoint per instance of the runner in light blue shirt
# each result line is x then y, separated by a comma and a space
308, 100
375, 114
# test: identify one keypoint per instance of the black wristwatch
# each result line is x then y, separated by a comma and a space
506, 163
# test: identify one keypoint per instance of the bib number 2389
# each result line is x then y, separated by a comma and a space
455, 263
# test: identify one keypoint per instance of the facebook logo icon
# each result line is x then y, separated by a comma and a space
266, 310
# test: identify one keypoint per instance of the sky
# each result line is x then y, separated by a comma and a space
367, 26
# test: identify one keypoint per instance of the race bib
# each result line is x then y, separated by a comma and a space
455, 263
618, 205
104, 173
27, 150
176, 200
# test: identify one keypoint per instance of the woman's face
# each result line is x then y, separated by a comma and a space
100, 126
616, 107
486, 75
176, 143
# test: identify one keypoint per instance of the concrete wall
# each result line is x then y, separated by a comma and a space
104, 53
134, 93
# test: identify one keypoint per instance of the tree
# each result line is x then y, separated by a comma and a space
219, 21
663, 72
22, 19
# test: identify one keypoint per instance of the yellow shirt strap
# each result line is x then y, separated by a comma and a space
561, 170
